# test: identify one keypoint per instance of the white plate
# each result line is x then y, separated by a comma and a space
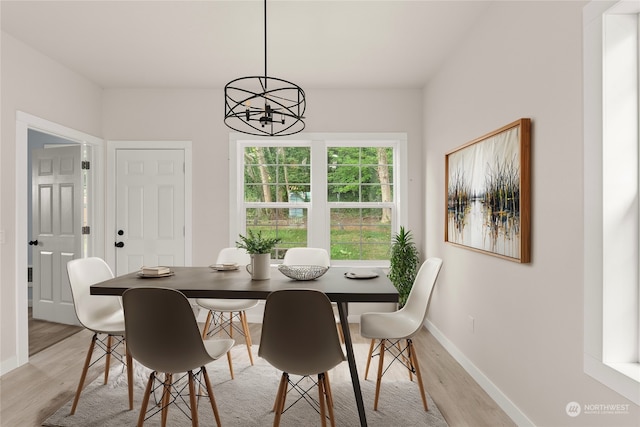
220, 267
365, 274
154, 276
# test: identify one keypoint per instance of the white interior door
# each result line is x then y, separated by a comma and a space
57, 211
150, 208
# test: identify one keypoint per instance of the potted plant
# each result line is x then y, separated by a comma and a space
260, 250
404, 262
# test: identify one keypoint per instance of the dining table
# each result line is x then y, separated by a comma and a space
342, 285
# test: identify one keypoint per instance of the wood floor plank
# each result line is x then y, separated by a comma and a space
31, 393
43, 334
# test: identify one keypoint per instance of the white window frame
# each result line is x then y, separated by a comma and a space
611, 241
318, 219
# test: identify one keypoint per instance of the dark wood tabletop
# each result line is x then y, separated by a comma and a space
205, 282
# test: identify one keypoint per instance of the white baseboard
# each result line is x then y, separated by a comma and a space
8, 365
492, 390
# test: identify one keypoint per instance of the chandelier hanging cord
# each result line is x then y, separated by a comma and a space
265, 45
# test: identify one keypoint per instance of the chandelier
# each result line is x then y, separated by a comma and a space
263, 105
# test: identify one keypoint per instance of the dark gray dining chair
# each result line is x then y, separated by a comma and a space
162, 334
299, 337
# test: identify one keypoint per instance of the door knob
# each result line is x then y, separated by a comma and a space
119, 244
33, 242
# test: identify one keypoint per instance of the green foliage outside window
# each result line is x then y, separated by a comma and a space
354, 175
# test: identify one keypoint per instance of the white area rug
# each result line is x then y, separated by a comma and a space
247, 400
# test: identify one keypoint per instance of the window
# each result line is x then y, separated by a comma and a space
611, 206
342, 193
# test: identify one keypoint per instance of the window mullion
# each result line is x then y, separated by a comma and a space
318, 214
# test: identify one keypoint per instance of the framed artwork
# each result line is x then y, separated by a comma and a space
488, 207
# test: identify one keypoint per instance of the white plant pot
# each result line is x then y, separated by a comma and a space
260, 267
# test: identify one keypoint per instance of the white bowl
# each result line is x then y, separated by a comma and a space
302, 272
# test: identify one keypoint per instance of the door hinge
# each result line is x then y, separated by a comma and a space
86, 229
86, 165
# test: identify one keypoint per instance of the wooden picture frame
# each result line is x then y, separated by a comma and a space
488, 193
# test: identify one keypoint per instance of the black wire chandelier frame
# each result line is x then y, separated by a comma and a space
263, 105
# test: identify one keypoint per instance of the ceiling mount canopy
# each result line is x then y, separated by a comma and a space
263, 105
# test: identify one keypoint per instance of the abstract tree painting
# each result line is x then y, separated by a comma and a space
488, 193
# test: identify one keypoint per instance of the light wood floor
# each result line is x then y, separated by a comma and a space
43, 334
31, 393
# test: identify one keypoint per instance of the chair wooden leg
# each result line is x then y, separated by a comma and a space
130, 377
83, 376
107, 364
192, 400
276, 403
366, 371
247, 334
212, 398
230, 363
281, 399
145, 399
328, 388
379, 379
340, 333
166, 397
329, 398
414, 361
322, 399
207, 322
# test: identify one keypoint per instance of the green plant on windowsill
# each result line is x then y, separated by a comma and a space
254, 243
404, 262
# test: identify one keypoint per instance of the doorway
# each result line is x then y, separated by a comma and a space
93, 243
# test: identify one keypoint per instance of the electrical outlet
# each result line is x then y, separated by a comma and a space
471, 324
1, 237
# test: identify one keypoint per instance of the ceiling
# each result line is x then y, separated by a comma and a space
206, 43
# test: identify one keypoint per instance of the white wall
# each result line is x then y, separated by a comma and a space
34, 84
197, 116
522, 60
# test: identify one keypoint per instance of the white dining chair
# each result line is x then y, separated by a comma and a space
298, 337
103, 315
232, 309
391, 329
306, 256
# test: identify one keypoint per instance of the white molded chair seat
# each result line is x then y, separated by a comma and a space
226, 305
162, 333
391, 328
103, 315
234, 308
299, 337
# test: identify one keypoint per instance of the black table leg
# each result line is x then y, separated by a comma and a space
343, 309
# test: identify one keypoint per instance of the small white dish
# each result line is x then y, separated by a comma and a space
361, 274
224, 267
154, 276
